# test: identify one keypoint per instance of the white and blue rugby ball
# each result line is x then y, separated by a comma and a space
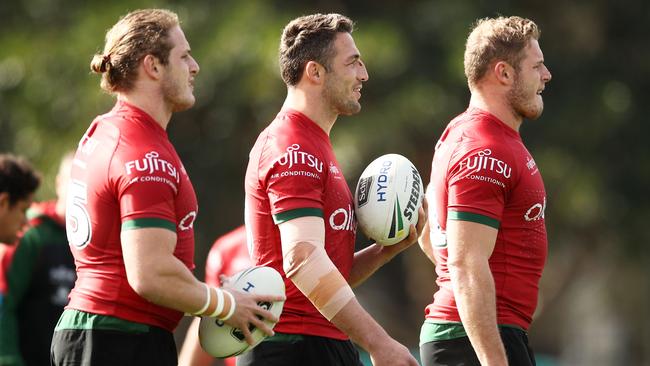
221, 340
388, 196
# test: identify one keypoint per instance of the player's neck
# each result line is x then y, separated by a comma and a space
496, 105
151, 104
311, 106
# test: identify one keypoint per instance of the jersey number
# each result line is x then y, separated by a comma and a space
77, 220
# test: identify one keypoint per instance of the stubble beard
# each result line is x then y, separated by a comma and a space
339, 103
175, 96
522, 104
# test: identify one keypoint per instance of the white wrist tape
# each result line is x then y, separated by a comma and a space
220, 303
207, 300
233, 305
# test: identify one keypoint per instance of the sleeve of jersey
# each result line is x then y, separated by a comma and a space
214, 266
295, 180
147, 182
479, 182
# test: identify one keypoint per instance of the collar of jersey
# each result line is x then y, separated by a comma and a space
123, 107
475, 111
305, 121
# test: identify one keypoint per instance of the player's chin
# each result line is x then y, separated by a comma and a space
185, 104
351, 109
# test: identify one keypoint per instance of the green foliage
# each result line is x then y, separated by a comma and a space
589, 142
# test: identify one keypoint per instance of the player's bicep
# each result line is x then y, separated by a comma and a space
143, 250
469, 242
299, 237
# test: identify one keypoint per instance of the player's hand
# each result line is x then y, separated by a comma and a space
249, 315
392, 354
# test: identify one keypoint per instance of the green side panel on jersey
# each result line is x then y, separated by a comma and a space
148, 223
432, 332
285, 337
75, 319
298, 212
437, 331
473, 217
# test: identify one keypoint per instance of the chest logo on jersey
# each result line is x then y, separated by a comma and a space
150, 164
343, 219
483, 161
536, 211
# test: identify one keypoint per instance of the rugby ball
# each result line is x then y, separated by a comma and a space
222, 340
388, 196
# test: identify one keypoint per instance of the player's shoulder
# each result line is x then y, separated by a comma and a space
289, 134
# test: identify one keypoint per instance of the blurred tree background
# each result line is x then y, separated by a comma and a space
588, 144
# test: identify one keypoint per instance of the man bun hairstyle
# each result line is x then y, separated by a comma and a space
497, 39
135, 35
310, 38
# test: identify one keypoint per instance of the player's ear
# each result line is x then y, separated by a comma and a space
152, 66
314, 72
504, 73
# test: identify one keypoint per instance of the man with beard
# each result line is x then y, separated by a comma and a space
486, 199
131, 208
299, 209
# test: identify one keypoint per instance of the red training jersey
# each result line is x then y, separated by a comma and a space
482, 172
125, 175
292, 172
227, 256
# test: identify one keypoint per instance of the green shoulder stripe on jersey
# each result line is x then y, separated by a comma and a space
433, 331
298, 212
75, 319
473, 217
148, 223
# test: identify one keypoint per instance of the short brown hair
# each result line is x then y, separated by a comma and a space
17, 178
501, 38
310, 38
135, 35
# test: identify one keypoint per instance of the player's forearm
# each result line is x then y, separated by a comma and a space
169, 283
366, 262
362, 329
476, 301
191, 353
425, 243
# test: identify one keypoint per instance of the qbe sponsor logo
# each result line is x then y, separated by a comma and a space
187, 222
343, 219
152, 163
536, 211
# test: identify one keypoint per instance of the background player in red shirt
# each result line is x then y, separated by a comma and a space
486, 199
131, 209
299, 208
18, 182
39, 276
228, 255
